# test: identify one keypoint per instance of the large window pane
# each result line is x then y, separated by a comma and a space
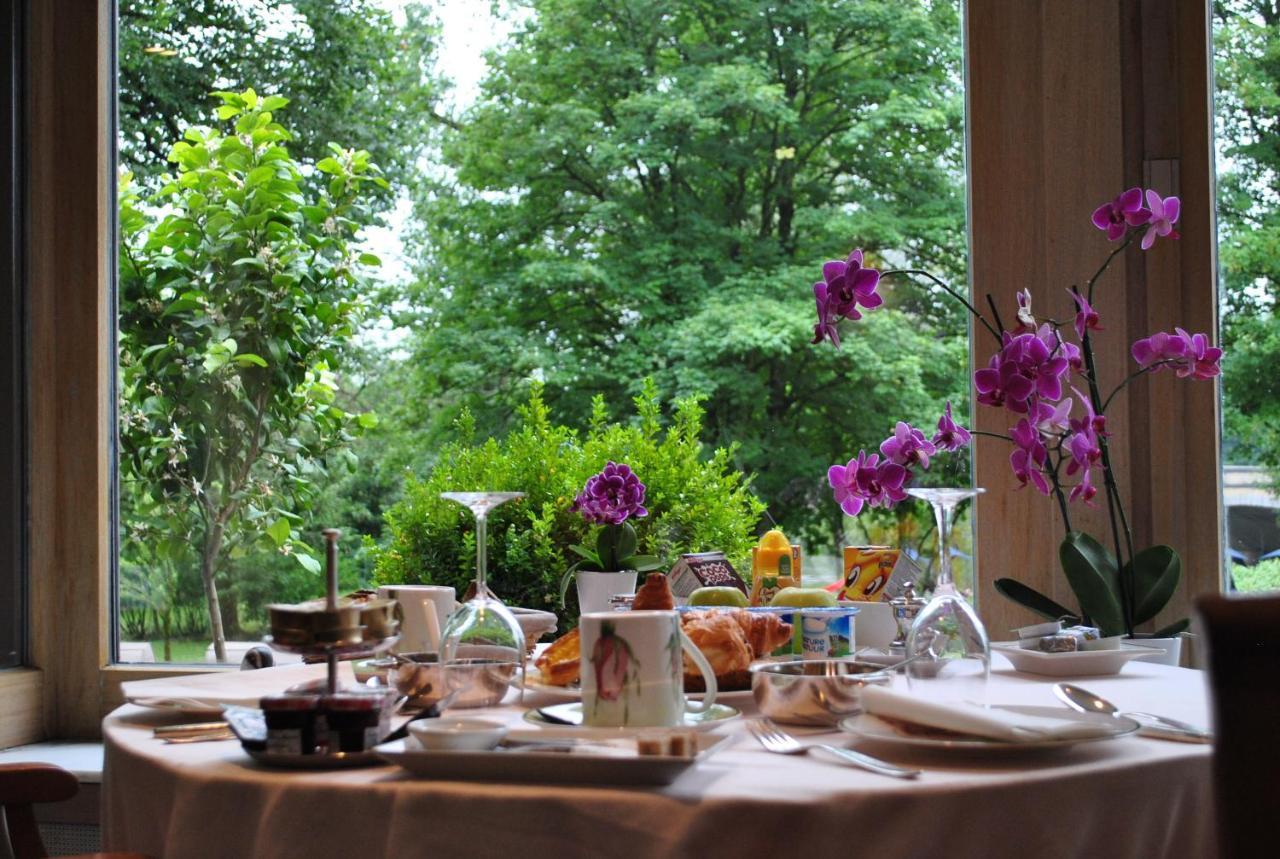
597, 240
1247, 42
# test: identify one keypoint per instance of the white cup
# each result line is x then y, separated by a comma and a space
426, 608
633, 670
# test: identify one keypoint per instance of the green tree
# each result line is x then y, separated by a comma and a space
1247, 44
350, 72
648, 188
240, 290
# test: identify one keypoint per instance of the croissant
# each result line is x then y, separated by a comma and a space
561, 662
764, 632
722, 641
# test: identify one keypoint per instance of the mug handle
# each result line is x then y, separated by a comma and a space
708, 676
431, 624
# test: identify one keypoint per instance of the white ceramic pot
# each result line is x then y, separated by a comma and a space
595, 589
1166, 651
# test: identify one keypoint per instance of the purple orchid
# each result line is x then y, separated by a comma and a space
1158, 348
826, 328
1092, 422
850, 285
1163, 215
1028, 457
1202, 360
1087, 318
1084, 450
1189, 354
1121, 213
1025, 367
1084, 490
1052, 417
908, 447
866, 481
612, 496
950, 435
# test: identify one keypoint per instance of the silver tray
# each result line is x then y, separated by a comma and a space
334, 761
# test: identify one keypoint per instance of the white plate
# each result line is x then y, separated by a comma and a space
868, 727
573, 692
1078, 663
578, 762
191, 706
573, 712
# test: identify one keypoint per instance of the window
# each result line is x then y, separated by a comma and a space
1247, 39
633, 209
13, 379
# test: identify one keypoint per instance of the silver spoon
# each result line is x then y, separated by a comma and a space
1157, 726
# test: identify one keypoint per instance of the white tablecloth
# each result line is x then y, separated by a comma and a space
1134, 797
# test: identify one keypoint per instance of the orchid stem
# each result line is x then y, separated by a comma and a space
1120, 387
957, 296
1105, 265
990, 434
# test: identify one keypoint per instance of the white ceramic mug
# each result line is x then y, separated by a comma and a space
425, 608
633, 670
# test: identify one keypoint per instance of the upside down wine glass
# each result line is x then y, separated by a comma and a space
482, 632
954, 653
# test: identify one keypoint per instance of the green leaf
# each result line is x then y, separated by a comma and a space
626, 545
310, 564
1173, 629
1032, 599
368, 420
279, 531
567, 579
643, 563
370, 259
246, 358
1156, 572
1091, 572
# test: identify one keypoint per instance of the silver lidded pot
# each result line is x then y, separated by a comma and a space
817, 692
905, 609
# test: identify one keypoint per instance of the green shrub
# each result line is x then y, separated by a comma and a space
1263, 576
695, 503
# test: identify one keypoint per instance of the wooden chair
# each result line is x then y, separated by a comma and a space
24, 785
1244, 673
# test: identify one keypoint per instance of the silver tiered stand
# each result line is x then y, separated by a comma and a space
333, 653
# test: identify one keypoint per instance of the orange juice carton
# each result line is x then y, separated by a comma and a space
775, 564
874, 573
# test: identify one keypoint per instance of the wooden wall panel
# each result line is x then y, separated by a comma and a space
1070, 103
71, 255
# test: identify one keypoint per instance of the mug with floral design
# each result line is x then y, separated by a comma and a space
633, 670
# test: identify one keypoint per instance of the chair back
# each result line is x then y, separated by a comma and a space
23, 785
1244, 673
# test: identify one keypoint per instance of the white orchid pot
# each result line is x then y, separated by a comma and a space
596, 588
1166, 651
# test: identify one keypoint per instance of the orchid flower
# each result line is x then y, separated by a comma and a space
1028, 457
826, 328
908, 446
1084, 490
950, 435
1026, 321
866, 481
1087, 318
1121, 213
1163, 215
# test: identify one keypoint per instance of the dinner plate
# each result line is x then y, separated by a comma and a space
573, 713
573, 692
868, 727
193, 706
580, 760
1078, 663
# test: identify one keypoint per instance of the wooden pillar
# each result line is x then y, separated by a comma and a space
71, 256
1069, 104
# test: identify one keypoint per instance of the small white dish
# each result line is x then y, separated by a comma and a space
457, 735
571, 717
1078, 663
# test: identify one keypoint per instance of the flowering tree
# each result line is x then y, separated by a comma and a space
1059, 441
236, 305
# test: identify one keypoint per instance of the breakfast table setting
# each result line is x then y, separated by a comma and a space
1131, 793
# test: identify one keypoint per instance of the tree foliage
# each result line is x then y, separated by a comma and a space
1247, 42
647, 189
240, 290
351, 74
696, 502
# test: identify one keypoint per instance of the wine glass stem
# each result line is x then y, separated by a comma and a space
482, 553
943, 514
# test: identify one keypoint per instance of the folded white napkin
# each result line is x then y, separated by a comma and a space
991, 723
212, 690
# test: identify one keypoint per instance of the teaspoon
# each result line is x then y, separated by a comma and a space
1085, 701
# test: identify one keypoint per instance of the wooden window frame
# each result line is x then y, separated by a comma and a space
1068, 103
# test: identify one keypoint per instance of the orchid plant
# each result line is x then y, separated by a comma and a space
1059, 440
609, 499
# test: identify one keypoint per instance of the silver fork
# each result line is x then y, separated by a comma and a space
775, 740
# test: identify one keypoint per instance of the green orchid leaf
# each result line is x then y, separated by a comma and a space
1091, 571
1156, 572
566, 580
626, 545
1032, 599
585, 554
643, 563
1173, 629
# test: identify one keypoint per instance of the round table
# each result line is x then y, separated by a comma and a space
1135, 796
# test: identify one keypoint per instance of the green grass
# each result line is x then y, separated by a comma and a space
1260, 577
181, 651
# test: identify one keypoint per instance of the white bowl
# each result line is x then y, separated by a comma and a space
1077, 663
457, 735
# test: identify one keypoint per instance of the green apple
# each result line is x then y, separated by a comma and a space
804, 598
729, 596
